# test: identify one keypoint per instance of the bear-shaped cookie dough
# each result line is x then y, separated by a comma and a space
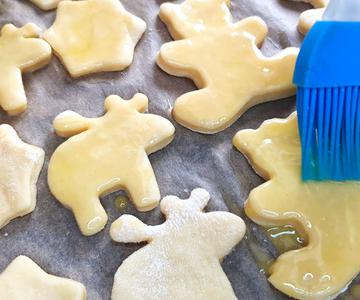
25, 280
20, 166
224, 61
309, 17
326, 214
46, 4
20, 51
92, 36
106, 154
182, 257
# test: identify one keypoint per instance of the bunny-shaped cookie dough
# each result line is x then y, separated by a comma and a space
182, 259
106, 154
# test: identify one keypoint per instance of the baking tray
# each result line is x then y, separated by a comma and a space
50, 235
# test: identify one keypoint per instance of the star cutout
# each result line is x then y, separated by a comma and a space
20, 51
182, 258
24, 279
107, 154
46, 4
20, 165
94, 36
309, 17
224, 61
326, 214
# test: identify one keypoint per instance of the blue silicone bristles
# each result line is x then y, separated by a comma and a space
328, 101
329, 126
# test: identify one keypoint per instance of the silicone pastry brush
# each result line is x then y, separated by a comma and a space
327, 75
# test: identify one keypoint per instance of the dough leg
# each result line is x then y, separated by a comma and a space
142, 186
311, 274
12, 93
89, 213
205, 111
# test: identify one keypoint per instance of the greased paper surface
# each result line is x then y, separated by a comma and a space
50, 235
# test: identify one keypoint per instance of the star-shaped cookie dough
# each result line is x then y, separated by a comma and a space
20, 165
20, 51
106, 154
325, 213
224, 61
25, 280
94, 36
182, 258
46, 4
309, 17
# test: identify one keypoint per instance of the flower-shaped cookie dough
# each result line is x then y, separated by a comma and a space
325, 213
224, 61
309, 17
20, 165
182, 258
94, 36
20, 51
46, 4
25, 280
107, 154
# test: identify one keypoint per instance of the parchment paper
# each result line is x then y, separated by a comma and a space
50, 235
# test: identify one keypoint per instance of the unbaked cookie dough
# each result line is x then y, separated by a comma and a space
309, 17
106, 154
182, 258
25, 280
20, 51
46, 4
325, 213
20, 165
94, 36
224, 61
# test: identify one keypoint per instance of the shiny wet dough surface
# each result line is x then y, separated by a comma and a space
326, 214
224, 61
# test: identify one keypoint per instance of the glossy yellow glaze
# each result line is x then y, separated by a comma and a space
224, 61
20, 51
94, 36
106, 154
46, 4
325, 213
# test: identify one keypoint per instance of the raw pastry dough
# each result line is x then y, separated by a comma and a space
325, 213
182, 259
46, 4
94, 36
309, 17
20, 51
223, 60
25, 280
106, 154
20, 165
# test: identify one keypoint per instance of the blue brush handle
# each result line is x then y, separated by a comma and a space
330, 56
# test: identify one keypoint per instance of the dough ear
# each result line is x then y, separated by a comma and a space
200, 197
70, 123
30, 30
129, 229
255, 26
140, 102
